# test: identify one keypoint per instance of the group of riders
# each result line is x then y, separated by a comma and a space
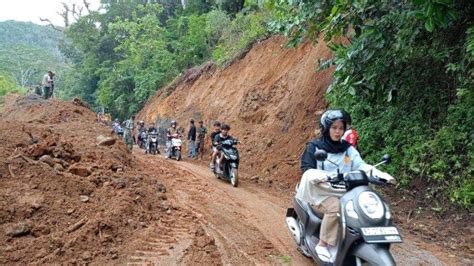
338, 139
196, 137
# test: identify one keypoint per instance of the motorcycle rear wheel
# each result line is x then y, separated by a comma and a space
178, 155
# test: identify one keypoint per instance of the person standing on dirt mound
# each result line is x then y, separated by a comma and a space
215, 132
314, 187
192, 139
48, 84
202, 131
128, 132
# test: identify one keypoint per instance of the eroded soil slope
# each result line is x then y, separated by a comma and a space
271, 98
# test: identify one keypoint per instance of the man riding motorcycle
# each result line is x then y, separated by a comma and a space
152, 133
171, 132
216, 131
141, 128
314, 187
218, 139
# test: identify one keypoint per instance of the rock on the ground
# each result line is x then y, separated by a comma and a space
255, 178
105, 141
47, 159
84, 198
19, 229
80, 170
58, 167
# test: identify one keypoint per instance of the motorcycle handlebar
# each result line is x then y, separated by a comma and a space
339, 178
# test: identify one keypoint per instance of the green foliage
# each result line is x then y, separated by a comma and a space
28, 51
122, 55
8, 85
405, 74
243, 31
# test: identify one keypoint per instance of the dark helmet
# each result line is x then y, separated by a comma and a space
217, 124
225, 127
348, 117
330, 116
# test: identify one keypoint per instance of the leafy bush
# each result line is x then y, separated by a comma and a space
8, 85
405, 74
242, 32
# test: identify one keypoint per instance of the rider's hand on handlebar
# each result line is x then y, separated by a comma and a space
388, 178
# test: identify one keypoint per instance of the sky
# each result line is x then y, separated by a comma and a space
32, 10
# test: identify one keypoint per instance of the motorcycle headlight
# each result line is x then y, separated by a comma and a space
371, 205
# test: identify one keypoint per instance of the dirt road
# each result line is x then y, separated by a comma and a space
247, 223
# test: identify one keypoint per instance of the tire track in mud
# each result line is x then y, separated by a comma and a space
164, 243
242, 222
248, 223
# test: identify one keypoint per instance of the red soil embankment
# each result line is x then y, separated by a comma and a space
272, 98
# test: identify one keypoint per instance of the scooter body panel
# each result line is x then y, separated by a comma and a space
350, 240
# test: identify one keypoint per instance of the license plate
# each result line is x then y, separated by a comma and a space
379, 231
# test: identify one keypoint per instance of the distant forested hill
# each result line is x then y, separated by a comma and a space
28, 51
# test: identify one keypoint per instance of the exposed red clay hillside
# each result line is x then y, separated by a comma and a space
271, 98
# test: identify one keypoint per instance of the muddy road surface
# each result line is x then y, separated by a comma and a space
246, 224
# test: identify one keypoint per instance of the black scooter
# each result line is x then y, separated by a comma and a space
366, 228
152, 143
230, 163
142, 139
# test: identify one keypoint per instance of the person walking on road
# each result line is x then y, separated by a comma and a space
201, 132
128, 132
192, 140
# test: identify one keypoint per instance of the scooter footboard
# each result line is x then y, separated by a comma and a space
374, 254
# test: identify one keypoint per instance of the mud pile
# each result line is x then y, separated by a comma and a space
271, 98
64, 197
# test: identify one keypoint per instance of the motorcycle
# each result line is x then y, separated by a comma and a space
152, 146
175, 148
366, 227
119, 131
230, 164
142, 139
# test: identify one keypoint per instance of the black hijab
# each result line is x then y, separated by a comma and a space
330, 146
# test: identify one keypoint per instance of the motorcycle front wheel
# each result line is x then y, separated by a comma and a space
234, 179
178, 155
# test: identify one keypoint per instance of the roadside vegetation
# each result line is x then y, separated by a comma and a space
404, 70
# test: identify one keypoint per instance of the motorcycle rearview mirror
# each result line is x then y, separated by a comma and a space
320, 155
385, 160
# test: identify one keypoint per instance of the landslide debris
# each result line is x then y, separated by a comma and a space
271, 98
63, 197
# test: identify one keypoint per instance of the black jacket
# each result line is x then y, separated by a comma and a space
192, 133
307, 158
218, 139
